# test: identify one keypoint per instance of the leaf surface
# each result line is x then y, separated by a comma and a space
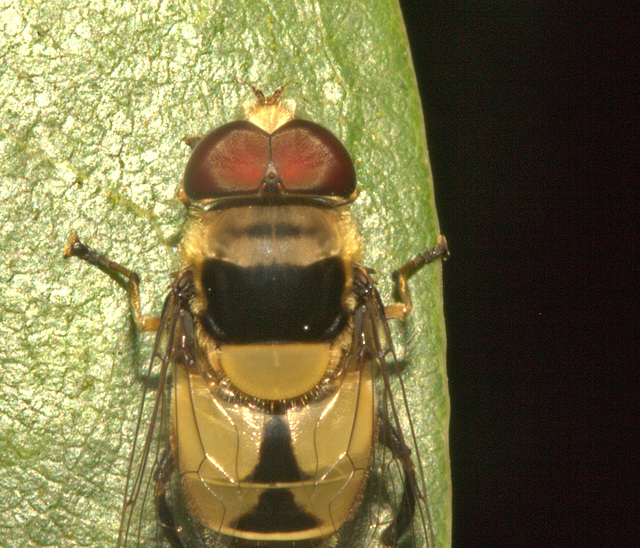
95, 99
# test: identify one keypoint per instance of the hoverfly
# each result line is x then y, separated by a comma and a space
273, 423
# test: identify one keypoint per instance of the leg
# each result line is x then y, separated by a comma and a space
406, 509
402, 309
165, 515
75, 248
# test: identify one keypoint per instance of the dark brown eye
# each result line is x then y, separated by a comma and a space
232, 159
309, 159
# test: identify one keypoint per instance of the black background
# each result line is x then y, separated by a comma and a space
530, 108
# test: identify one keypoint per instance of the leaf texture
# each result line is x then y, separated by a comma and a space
95, 99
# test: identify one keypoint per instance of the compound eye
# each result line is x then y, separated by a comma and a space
311, 160
232, 159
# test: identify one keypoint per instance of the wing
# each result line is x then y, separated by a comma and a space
401, 516
174, 342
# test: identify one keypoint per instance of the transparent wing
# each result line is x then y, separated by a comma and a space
174, 341
399, 514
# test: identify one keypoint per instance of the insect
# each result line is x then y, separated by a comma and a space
272, 422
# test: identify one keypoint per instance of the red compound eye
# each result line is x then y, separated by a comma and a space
311, 160
232, 159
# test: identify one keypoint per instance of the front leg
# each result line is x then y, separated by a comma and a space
75, 248
402, 309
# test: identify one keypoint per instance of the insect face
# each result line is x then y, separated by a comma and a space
274, 423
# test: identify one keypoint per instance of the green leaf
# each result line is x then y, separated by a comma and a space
94, 101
